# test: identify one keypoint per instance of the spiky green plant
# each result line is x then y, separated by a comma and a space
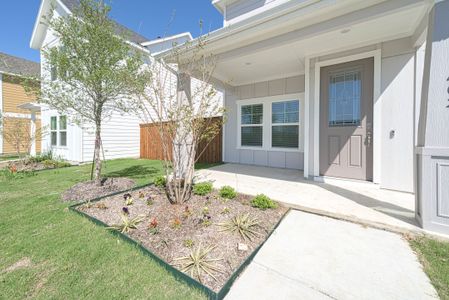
127, 223
197, 263
243, 224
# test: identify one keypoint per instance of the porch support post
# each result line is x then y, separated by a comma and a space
307, 118
33, 133
432, 150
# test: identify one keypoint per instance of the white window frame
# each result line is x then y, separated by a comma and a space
285, 124
251, 125
58, 131
267, 122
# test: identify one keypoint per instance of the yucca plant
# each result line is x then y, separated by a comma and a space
243, 224
127, 223
197, 263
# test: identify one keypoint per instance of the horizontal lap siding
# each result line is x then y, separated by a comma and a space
120, 136
8, 124
151, 145
14, 95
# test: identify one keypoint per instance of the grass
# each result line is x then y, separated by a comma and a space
69, 257
434, 256
6, 157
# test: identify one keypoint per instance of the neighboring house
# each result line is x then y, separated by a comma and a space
348, 89
121, 132
16, 104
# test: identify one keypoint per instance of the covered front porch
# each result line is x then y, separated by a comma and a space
354, 201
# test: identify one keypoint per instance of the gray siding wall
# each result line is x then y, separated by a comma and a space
281, 159
244, 9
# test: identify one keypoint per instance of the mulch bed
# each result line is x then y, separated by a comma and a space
180, 225
88, 190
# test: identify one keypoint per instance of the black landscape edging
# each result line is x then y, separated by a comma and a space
172, 270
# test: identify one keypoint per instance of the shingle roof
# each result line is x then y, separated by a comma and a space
19, 66
119, 29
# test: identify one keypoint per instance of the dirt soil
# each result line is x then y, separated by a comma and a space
88, 190
179, 225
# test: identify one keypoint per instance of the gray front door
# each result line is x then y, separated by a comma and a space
346, 120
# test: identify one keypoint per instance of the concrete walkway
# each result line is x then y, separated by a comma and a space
353, 201
315, 257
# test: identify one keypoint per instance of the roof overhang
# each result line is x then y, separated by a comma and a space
221, 4
40, 27
275, 46
31, 106
186, 35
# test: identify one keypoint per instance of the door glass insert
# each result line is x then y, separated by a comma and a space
344, 98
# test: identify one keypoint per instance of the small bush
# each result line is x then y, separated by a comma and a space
227, 192
160, 181
202, 188
263, 202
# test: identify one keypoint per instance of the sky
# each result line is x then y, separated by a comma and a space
150, 18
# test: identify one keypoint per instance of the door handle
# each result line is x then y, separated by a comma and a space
368, 138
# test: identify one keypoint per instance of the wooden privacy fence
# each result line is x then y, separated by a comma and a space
151, 144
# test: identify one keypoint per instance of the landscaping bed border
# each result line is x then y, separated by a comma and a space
172, 270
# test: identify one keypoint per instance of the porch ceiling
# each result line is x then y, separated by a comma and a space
284, 55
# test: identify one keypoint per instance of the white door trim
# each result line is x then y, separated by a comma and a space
377, 101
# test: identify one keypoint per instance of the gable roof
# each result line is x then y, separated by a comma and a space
18, 66
119, 29
68, 6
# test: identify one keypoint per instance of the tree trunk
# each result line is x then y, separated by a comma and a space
97, 158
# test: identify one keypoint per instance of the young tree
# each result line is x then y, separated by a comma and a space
18, 134
93, 72
181, 99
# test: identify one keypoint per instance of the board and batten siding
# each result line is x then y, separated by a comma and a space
120, 135
270, 158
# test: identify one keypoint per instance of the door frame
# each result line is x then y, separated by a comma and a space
377, 105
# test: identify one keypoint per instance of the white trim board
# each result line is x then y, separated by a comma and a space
377, 101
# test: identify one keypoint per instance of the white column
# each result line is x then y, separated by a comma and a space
432, 151
307, 136
33, 133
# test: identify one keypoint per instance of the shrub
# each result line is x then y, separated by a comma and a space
245, 225
199, 262
202, 188
263, 202
227, 192
160, 181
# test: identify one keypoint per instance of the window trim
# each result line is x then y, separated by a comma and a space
267, 122
58, 132
53, 131
251, 125
285, 149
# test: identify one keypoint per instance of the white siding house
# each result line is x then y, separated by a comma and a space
121, 131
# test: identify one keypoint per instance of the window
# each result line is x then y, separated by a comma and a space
344, 98
53, 73
251, 125
63, 131
54, 131
58, 129
285, 124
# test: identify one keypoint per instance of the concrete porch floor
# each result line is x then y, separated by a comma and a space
358, 202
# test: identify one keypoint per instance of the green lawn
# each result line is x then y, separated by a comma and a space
71, 258
8, 157
434, 255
